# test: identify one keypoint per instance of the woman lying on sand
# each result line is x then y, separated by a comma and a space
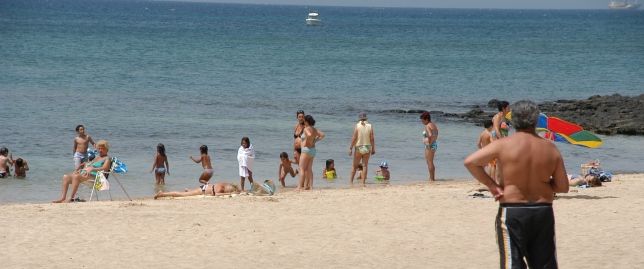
214, 190
589, 180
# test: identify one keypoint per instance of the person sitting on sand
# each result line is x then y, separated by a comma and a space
383, 172
285, 168
359, 170
101, 163
589, 180
20, 168
218, 188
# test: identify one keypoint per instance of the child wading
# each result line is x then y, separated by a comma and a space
207, 167
160, 165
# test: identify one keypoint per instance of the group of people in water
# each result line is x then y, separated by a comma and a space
20, 165
305, 136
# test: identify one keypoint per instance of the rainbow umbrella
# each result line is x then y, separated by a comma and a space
559, 130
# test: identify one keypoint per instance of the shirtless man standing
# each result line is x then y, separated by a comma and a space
81, 143
533, 170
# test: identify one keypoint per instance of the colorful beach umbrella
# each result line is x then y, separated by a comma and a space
559, 130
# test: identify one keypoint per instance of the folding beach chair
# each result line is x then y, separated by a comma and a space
102, 183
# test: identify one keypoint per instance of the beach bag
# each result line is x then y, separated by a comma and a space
101, 183
267, 188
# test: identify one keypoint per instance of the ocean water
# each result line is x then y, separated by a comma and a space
185, 74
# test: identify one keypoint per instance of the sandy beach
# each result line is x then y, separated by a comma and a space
411, 226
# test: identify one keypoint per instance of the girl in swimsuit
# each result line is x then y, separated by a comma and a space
20, 168
160, 165
309, 137
207, 167
100, 163
430, 136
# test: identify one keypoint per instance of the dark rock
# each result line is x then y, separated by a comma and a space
494, 103
607, 115
404, 111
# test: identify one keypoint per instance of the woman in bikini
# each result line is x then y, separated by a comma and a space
363, 142
213, 190
309, 137
297, 131
499, 126
101, 163
160, 165
430, 136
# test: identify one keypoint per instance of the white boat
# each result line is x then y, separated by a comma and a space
623, 5
313, 19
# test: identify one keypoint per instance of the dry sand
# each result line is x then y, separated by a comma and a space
414, 226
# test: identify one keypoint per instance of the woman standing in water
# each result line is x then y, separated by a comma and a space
310, 135
297, 131
430, 135
363, 143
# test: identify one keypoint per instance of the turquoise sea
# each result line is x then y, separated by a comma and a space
138, 73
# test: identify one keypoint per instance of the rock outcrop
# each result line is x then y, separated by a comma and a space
608, 114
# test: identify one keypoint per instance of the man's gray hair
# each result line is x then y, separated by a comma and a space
525, 114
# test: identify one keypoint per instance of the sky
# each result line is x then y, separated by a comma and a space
505, 4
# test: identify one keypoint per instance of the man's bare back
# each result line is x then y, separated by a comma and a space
532, 168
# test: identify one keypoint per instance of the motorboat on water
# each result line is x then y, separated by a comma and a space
624, 4
313, 18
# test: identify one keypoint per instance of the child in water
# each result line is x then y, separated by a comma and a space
5, 162
285, 168
359, 170
207, 167
245, 157
160, 165
329, 170
20, 168
383, 172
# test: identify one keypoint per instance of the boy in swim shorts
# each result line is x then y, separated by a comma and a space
81, 144
207, 167
285, 168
